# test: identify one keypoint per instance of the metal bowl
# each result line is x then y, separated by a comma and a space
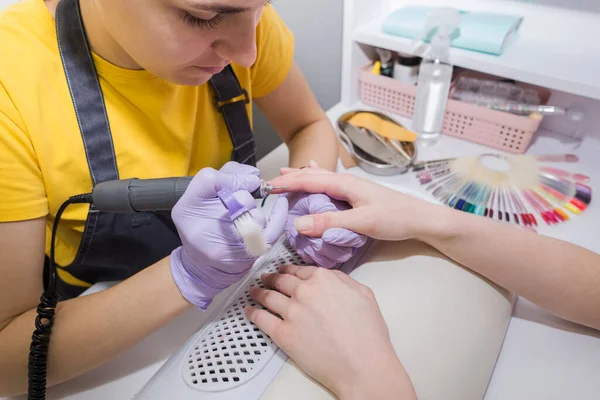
369, 162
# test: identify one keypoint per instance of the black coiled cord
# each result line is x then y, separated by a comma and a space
40, 340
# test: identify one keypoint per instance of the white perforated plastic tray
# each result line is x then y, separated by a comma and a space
231, 350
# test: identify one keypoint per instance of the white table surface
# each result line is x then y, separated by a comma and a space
543, 357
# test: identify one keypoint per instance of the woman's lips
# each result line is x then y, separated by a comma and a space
211, 70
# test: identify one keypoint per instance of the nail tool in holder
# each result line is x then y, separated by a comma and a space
375, 153
382, 127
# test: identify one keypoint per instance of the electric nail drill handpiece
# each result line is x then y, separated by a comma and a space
137, 195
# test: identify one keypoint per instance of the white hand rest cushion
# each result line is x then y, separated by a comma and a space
447, 323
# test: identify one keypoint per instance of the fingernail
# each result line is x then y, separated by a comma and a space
303, 224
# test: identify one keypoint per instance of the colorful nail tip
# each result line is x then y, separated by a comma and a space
582, 206
583, 196
563, 214
557, 215
572, 208
533, 219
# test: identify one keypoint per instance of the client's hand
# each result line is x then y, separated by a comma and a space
331, 326
377, 212
213, 255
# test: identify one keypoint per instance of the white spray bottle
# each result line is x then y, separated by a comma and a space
435, 76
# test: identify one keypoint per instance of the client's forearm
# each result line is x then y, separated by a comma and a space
556, 275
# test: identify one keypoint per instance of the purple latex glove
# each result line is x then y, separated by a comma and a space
336, 246
212, 256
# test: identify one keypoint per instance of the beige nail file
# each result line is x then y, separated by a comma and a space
369, 144
382, 127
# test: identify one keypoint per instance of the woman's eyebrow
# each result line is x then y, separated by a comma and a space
217, 8
220, 8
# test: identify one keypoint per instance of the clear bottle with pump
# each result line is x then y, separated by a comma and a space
435, 76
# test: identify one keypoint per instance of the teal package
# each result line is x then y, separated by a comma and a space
482, 32
487, 32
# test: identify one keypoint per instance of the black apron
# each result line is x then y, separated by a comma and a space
116, 246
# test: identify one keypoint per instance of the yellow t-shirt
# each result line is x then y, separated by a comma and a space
159, 129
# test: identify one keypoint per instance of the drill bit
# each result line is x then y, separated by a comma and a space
266, 188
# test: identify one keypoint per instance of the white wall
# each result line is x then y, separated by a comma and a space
317, 27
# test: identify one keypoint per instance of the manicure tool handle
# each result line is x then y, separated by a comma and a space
136, 195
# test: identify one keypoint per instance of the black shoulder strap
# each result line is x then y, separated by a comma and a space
86, 93
231, 101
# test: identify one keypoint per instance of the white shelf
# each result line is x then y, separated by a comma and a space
557, 50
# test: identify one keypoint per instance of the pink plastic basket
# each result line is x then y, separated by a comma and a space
497, 129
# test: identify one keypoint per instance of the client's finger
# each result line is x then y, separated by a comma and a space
283, 283
291, 175
312, 180
266, 322
303, 273
315, 225
271, 299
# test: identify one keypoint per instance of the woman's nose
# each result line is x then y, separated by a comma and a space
239, 45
